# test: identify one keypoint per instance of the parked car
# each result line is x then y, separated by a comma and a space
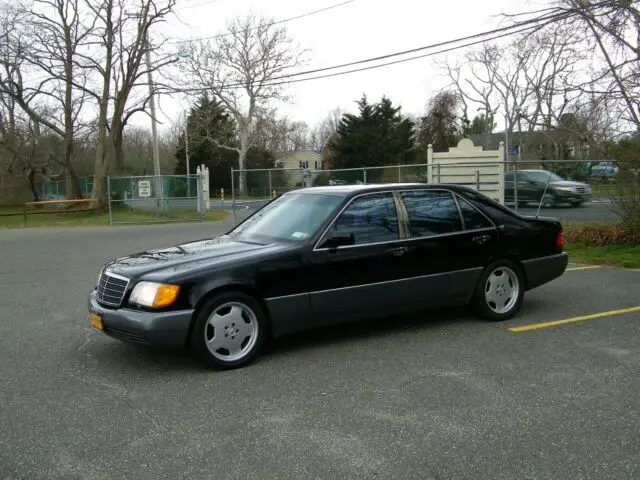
605, 169
533, 185
323, 256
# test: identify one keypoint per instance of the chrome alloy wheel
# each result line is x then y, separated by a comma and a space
502, 290
231, 331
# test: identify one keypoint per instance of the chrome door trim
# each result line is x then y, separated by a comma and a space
386, 282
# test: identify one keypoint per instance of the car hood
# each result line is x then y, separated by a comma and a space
171, 259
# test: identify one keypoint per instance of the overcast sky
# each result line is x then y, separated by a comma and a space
361, 29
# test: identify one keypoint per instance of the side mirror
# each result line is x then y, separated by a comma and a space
339, 241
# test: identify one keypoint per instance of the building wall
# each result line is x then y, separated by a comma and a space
304, 159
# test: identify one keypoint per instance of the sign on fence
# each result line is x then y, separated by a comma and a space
144, 188
149, 199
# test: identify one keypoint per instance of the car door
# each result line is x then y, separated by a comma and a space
529, 187
362, 279
450, 244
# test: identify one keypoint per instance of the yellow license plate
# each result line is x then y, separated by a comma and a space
95, 320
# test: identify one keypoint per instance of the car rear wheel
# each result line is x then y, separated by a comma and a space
500, 291
229, 330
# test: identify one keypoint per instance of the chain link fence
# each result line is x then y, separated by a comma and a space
151, 199
574, 191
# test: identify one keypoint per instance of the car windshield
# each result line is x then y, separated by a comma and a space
548, 176
292, 217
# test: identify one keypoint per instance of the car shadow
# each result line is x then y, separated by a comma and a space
112, 354
378, 328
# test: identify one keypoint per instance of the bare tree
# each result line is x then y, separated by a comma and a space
325, 128
441, 126
47, 42
120, 65
611, 31
527, 81
279, 134
241, 70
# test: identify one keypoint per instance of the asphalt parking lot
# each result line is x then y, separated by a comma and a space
436, 396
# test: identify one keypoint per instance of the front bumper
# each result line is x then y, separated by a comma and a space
150, 328
572, 197
542, 270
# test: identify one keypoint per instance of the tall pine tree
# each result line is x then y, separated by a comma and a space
378, 135
207, 121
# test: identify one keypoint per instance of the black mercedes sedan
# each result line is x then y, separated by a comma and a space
323, 256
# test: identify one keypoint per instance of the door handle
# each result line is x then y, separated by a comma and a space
398, 252
481, 239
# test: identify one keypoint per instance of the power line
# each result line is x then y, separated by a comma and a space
194, 5
508, 31
277, 22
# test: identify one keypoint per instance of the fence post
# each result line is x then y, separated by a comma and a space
515, 181
270, 187
364, 175
399, 174
109, 199
233, 196
133, 195
478, 180
201, 205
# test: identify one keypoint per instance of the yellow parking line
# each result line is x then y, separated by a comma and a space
536, 326
590, 267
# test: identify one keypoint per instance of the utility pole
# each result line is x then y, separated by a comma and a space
186, 154
154, 127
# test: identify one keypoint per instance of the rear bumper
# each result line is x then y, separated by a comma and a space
542, 270
134, 326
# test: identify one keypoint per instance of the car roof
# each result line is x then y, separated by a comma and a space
345, 190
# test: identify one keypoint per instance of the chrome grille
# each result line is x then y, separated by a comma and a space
580, 189
111, 289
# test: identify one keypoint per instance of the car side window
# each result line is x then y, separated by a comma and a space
473, 219
508, 177
431, 213
371, 219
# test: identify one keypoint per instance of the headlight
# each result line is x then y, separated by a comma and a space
565, 189
155, 295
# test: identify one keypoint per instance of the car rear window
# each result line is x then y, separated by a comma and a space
473, 219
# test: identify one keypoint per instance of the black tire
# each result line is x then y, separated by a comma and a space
480, 303
202, 330
576, 204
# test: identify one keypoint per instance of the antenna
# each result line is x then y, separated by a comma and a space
544, 194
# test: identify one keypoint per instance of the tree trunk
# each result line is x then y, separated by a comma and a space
118, 149
99, 171
242, 175
76, 191
32, 186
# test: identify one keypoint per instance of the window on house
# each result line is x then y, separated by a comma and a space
304, 163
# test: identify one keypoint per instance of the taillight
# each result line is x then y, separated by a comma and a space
560, 240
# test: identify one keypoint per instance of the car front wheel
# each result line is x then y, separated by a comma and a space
229, 330
500, 291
